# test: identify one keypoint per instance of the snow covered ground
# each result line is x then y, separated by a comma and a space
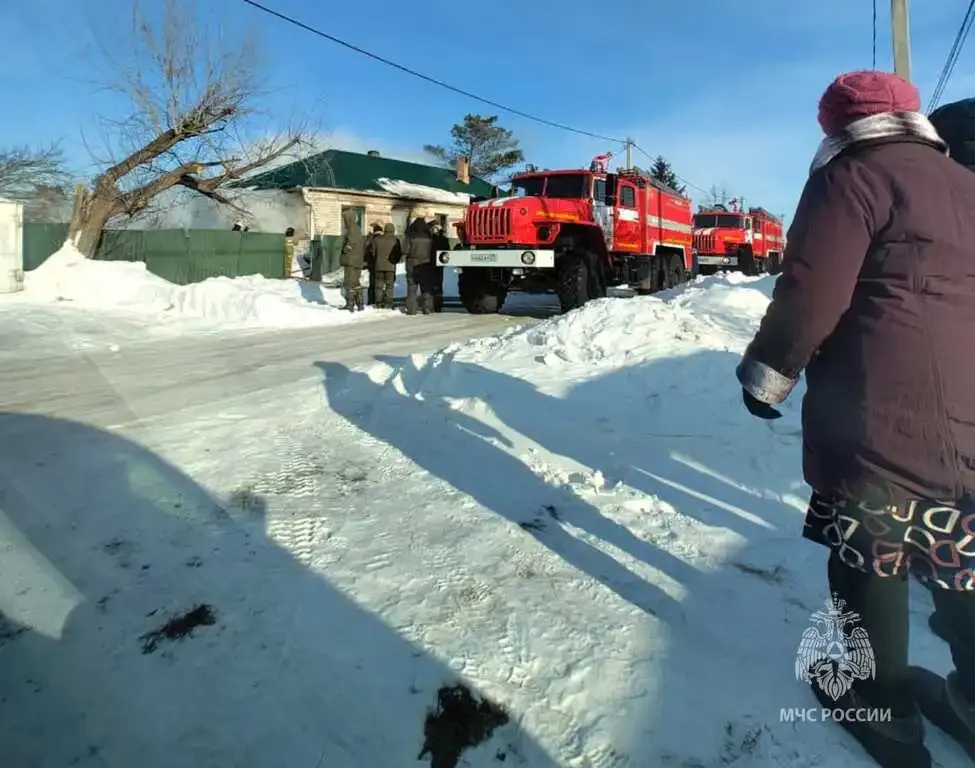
575, 519
129, 291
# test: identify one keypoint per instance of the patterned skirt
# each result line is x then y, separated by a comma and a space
933, 541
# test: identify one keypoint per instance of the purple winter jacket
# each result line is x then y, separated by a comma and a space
876, 302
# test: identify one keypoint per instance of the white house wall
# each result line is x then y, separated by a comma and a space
326, 209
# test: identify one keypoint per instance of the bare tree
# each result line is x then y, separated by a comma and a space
717, 195
194, 101
24, 171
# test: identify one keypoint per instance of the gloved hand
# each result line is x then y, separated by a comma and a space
758, 408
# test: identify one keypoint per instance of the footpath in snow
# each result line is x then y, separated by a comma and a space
575, 521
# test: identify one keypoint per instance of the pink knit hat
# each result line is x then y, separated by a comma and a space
864, 93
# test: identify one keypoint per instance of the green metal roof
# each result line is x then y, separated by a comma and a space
338, 169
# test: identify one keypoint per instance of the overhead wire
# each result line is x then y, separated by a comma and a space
874, 34
953, 54
428, 78
442, 84
679, 178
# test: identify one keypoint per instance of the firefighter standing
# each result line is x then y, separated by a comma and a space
384, 253
419, 267
376, 231
440, 243
353, 248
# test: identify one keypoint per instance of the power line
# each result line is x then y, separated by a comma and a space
874, 34
455, 89
949, 67
679, 178
435, 81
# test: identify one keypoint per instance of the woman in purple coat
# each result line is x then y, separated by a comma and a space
876, 304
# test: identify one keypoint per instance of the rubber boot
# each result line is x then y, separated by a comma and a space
894, 743
944, 705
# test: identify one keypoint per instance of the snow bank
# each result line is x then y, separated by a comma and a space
610, 449
250, 301
718, 312
420, 192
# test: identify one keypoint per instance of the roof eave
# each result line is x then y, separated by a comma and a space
387, 195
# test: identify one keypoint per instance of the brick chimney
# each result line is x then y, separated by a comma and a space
463, 167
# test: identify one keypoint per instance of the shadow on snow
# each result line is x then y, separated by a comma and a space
144, 623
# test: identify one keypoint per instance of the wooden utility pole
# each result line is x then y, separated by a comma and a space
901, 36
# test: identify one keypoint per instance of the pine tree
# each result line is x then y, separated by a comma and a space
488, 147
662, 172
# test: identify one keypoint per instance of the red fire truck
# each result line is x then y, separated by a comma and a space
572, 232
749, 241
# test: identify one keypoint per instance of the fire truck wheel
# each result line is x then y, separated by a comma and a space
573, 281
746, 262
478, 294
597, 280
675, 272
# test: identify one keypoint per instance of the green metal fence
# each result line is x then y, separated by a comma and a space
181, 256
40, 241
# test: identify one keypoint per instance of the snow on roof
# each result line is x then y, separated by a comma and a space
405, 189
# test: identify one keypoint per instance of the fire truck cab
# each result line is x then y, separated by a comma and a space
749, 241
574, 233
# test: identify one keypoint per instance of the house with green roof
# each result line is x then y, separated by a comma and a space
379, 189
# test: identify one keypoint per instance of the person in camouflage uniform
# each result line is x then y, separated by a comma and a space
376, 231
384, 254
418, 250
290, 243
353, 255
440, 243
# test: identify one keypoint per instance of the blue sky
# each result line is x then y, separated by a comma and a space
726, 91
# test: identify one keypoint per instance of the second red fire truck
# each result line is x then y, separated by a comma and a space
749, 241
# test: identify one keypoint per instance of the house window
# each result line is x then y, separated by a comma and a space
360, 217
442, 219
401, 217
627, 196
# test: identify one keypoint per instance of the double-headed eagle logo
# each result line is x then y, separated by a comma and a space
834, 651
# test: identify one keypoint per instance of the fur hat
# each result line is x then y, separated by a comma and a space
860, 94
955, 123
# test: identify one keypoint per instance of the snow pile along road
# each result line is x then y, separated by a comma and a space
661, 521
249, 301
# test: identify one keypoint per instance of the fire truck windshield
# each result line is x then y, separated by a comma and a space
565, 186
528, 187
724, 220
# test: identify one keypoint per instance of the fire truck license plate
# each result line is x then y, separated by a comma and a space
484, 257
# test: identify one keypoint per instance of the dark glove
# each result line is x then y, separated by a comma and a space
758, 408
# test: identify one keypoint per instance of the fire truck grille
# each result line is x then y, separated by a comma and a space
704, 243
489, 223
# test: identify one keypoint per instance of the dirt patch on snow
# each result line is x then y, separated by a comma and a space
179, 627
458, 722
